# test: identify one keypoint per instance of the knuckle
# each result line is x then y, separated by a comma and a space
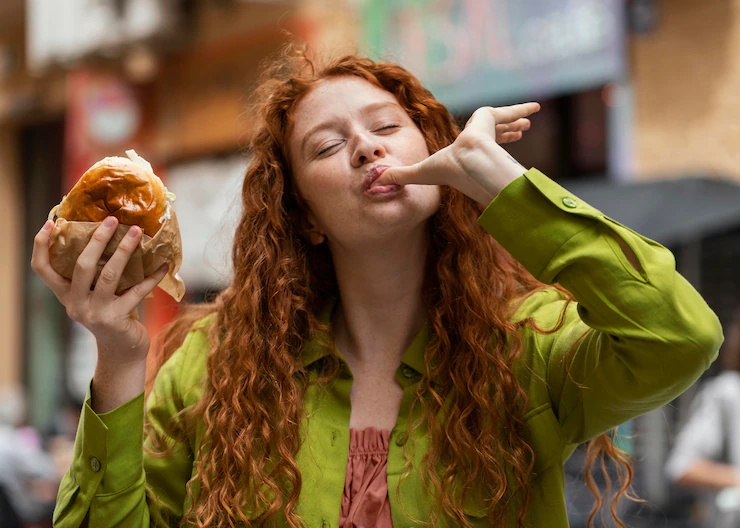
97, 319
101, 236
470, 141
73, 313
127, 245
81, 266
108, 276
140, 290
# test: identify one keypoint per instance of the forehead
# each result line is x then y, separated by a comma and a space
338, 96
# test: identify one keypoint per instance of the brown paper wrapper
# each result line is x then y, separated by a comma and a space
68, 239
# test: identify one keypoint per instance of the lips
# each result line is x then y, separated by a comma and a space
373, 174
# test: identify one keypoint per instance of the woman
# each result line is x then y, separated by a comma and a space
706, 454
379, 359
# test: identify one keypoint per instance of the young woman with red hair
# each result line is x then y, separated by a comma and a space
393, 349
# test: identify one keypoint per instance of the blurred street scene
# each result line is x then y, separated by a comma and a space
640, 117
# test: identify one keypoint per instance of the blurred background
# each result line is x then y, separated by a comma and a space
640, 117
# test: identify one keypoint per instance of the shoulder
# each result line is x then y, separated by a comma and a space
547, 317
542, 305
544, 310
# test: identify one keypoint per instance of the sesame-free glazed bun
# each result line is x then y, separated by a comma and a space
118, 187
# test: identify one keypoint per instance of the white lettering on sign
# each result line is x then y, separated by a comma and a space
445, 41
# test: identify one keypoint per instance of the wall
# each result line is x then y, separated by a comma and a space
686, 78
11, 212
11, 220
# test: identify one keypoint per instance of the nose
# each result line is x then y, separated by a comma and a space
367, 150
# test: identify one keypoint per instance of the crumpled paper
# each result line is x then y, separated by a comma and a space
69, 238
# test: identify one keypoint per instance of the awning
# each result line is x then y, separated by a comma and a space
672, 211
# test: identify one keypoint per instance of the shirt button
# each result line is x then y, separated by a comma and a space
570, 202
408, 372
94, 464
401, 439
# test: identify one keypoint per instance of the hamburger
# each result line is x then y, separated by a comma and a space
128, 189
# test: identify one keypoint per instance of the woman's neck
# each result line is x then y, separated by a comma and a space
381, 308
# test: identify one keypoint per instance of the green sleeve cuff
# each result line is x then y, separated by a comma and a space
108, 454
533, 217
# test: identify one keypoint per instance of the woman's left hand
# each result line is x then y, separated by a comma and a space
475, 163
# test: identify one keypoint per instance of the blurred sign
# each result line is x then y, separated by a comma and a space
104, 118
474, 52
61, 31
208, 208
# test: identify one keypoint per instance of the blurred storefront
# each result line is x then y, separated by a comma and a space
168, 79
684, 73
569, 56
631, 90
31, 114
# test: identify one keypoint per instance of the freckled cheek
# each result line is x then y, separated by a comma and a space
325, 189
328, 197
316, 185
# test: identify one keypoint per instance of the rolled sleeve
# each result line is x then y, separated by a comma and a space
116, 477
107, 459
522, 218
638, 335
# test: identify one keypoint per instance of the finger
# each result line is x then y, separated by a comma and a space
431, 171
508, 137
483, 116
126, 303
399, 176
111, 273
41, 264
520, 125
86, 266
509, 114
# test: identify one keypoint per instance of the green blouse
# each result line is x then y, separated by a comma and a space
652, 336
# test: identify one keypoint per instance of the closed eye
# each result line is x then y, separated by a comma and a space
327, 149
387, 127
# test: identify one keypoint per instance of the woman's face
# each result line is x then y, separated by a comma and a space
346, 131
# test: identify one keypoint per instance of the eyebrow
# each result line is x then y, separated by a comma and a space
330, 124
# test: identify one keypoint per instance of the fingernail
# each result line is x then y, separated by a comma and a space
109, 222
48, 225
133, 231
163, 268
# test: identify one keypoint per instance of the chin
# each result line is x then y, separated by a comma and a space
401, 215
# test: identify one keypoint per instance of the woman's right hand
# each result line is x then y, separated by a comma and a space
121, 339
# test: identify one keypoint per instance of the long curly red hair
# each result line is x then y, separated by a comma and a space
252, 404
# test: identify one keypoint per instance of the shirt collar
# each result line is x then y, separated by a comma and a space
316, 348
414, 355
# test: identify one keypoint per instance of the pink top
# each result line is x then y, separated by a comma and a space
365, 502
